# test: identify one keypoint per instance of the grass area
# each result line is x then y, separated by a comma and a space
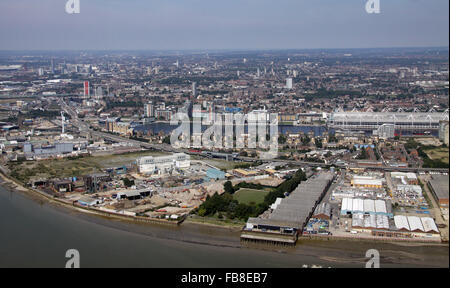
221, 164
59, 168
250, 196
439, 153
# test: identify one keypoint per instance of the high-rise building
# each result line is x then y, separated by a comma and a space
53, 66
41, 71
289, 83
194, 89
86, 89
149, 110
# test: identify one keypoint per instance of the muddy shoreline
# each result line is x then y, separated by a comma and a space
334, 252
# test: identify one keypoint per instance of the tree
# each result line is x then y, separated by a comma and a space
228, 187
319, 143
201, 212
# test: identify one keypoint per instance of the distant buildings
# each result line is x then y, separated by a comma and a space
114, 126
289, 83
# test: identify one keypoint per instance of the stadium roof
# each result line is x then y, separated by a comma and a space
378, 117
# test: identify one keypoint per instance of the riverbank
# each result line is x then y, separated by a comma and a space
191, 221
189, 245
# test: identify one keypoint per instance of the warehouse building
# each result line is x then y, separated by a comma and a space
405, 178
439, 188
289, 215
366, 182
88, 201
134, 194
351, 206
416, 226
32, 150
323, 211
163, 164
366, 223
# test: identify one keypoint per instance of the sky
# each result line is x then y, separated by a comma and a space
221, 24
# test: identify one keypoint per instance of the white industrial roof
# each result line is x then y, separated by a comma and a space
429, 225
382, 222
347, 204
377, 182
415, 224
369, 206
401, 222
358, 205
380, 206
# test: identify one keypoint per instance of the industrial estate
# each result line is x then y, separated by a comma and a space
362, 140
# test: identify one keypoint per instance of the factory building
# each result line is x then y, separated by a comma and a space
416, 226
323, 211
352, 206
366, 182
134, 194
30, 150
163, 164
406, 178
289, 215
88, 201
439, 188
366, 223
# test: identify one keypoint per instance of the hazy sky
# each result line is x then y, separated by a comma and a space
221, 24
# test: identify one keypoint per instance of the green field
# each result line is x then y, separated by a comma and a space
439, 153
248, 196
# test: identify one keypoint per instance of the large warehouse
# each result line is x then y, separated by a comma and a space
416, 225
290, 214
163, 164
371, 121
352, 206
439, 188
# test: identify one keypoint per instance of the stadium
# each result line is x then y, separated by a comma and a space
405, 123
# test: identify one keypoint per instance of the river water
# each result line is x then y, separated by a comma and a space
34, 233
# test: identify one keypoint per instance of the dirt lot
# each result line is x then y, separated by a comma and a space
28, 170
439, 153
